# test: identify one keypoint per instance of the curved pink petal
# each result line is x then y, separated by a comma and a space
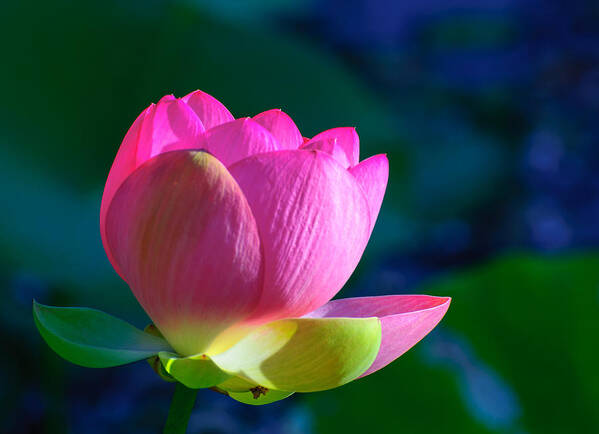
237, 140
122, 166
342, 143
210, 110
169, 124
282, 127
314, 224
372, 175
405, 320
186, 242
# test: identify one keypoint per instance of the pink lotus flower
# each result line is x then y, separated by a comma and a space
234, 235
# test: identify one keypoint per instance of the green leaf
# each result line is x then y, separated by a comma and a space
304, 354
195, 372
94, 339
266, 398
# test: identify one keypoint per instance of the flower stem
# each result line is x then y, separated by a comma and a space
180, 410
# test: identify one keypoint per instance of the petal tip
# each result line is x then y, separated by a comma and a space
166, 98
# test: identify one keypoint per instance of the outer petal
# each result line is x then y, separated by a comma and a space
168, 125
282, 127
372, 175
342, 143
304, 354
314, 224
210, 111
405, 320
122, 166
238, 139
184, 237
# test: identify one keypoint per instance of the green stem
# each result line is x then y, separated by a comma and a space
180, 410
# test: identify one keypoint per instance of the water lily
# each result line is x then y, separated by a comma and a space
234, 235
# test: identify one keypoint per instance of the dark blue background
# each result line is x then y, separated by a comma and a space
489, 113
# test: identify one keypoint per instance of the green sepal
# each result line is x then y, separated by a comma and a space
195, 372
157, 367
92, 338
252, 398
251, 393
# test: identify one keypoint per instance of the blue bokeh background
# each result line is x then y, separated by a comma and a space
488, 112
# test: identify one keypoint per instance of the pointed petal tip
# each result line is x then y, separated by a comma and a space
198, 92
343, 143
373, 174
208, 109
375, 157
238, 139
194, 92
281, 126
272, 110
166, 98
435, 301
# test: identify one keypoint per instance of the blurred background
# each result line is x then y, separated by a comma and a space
489, 114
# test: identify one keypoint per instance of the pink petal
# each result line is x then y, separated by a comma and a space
342, 143
210, 110
237, 140
372, 175
122, 166
168, 125
313, 221
282, 127
185, 240
405, 320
